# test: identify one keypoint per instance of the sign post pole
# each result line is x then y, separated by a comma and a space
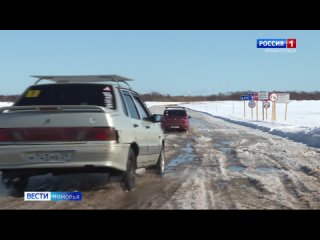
285, 115
275, 112
262, 96
257, 109
252, 104
274, 98
272, 117
262, 111
265, 105
267, 114
233, 109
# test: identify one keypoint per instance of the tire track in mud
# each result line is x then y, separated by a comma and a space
259, 169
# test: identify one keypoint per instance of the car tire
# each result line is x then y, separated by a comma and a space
159, 167
16, 184
129, 177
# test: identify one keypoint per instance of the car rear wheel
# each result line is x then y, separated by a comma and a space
160, 164
16, 184
129, 177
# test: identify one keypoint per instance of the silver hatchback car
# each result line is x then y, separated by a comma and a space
71, 124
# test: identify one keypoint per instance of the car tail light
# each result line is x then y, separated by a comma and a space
58, 134
4, 135
102, 134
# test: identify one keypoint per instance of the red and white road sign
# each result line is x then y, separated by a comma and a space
251, 104
266, 104
273, 97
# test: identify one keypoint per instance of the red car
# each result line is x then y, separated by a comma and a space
175, 118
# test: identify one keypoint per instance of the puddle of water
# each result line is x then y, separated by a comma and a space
233, 160
236, 168
226, 142
223, 146
225, 150
185, 157
188, 149
267, 169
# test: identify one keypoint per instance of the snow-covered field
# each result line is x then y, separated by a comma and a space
302, 123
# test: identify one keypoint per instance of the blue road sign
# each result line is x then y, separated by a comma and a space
248, 97
245, 97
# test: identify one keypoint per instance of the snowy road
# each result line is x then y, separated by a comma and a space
218, 165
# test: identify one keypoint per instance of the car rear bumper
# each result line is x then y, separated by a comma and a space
111, 155
176, 126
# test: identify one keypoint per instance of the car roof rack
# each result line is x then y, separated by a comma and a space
83, 78
176, 107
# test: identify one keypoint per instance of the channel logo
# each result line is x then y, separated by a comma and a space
52, 196
277, 43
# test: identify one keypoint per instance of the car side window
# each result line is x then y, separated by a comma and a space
123, 104
142, 110
131, 106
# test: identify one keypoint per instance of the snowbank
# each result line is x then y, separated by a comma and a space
5, 104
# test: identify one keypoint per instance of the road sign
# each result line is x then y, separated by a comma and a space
266, 104
255, 96
263, 96
273, 97
251, 104
283, 97
245, 97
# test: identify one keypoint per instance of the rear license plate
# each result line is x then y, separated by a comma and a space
48, 156
174, 127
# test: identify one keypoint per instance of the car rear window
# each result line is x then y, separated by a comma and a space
68, 94
175, 113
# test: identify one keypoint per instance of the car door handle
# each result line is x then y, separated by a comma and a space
147, 126
135, 125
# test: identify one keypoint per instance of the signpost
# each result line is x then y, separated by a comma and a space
266, 105
273, 97
245, 98
284, 98
251, 105
263, 96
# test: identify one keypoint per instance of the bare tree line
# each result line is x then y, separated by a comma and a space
156, 96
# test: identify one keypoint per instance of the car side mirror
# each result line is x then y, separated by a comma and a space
189, 117
157, 118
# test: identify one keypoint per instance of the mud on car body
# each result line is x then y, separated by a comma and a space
78, 124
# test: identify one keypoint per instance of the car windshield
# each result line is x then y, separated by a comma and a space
68, 94
175, 113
